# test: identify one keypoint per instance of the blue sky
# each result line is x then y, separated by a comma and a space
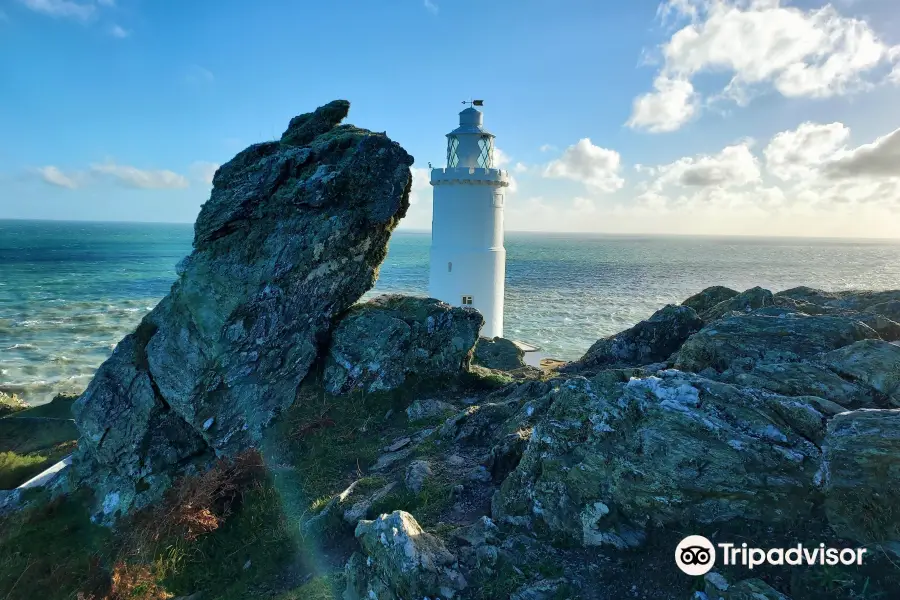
682, 116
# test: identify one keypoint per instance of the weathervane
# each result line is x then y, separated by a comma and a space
474, 102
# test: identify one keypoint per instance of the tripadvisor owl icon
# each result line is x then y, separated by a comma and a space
695, 555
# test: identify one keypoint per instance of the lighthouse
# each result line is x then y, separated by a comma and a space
468, 260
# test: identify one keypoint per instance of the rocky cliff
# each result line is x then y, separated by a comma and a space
293, 234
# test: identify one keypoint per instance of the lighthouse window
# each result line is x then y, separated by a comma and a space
466, 300
485, 157
452, 156
449, 267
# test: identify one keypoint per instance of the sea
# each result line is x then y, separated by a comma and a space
69, 291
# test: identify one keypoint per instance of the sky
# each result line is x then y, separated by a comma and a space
729, 117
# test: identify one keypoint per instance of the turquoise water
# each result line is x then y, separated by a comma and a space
70, 291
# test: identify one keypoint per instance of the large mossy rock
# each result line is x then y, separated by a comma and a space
871, 362
499, 353
808, 379
292, 235
857, 300
402, 561
745, 302
709, 297
780, 335
610, 460
889, 309
378, 344
648, 342
862, 476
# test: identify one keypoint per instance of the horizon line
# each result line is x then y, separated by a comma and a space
536, 231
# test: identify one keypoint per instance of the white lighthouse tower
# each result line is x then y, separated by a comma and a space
468, 260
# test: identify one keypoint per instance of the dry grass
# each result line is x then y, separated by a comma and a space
195, 505
131, 582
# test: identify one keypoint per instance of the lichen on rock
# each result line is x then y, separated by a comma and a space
608, 461
709, 297
861, 475
781, 335
402, 561
499, 353
378, 344
746, 301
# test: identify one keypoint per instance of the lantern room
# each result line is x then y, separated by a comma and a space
469, 145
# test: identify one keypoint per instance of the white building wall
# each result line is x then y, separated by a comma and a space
467, 253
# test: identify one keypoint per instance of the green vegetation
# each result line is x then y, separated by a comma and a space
249, 549
52, 551
320, 588
29, 443
232, 532
224, 534
16, 468
58, 408
333, 440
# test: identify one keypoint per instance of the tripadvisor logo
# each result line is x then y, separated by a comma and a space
696, 555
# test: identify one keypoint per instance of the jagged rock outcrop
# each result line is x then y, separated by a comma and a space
649, 341
769, 335
378, 344
875, 363
402, 561
499, 353
889, 309
709, 298
609, 460
867, 307
856, 300
745, 302
293, 234
861, 472
806, 379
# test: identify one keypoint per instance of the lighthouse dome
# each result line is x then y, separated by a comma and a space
471, 117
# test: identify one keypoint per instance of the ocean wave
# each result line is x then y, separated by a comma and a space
24, 347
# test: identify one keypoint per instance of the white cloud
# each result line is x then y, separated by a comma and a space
796, 154
592, 165
119, 32
431, 6
501, 158
820, 182
761, 45
668, 108
549, 148
62, 8
204, 171
520, 168
132, 177
878, 160
54, 176
734, 166
421, 186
